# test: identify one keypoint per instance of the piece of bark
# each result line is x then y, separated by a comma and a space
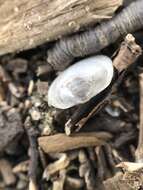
103, 171
139, 150
2, 93
86, 171
17, 66
61, 142
25, 24
58, 165
7, 80
32, 185
73, 183
10, 127
132, 175
58, 184
21, 167
92, 156
111, 160
116, 183
128, 54
130, 166
6, 172
42, 158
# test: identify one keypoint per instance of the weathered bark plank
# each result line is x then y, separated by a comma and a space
27, 23
61, 142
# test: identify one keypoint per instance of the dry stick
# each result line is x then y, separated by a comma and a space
92, 157
56, 166
86, 171
25, 24
58, 184
7, 173
127, 55
110, 159
6, 79
61, 142
2, 93
32, 135
139, 150
102, 169
42, 158
92, 41
21, 167
85, 111
74, 183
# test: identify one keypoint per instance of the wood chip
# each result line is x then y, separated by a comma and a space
6, 172
61, 142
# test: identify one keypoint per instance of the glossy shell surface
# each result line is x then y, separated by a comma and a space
80, 82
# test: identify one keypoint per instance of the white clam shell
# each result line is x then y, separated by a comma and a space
80, 82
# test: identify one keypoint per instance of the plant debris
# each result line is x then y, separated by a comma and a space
95, 145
